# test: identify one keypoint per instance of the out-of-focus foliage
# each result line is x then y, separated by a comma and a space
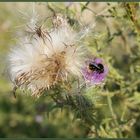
111, 110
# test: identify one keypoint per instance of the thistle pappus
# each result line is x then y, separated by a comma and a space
38, 64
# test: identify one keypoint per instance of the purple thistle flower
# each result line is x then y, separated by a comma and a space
95, 71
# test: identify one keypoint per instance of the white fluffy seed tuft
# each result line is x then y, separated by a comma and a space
46, 59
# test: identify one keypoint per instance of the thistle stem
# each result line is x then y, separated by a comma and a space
113, 115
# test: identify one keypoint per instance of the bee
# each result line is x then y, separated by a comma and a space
96, 67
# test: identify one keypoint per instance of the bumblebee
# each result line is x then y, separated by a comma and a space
96, 67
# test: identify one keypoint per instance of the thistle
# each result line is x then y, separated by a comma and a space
95, 71
46, 59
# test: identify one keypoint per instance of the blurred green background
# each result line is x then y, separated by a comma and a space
116, 38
